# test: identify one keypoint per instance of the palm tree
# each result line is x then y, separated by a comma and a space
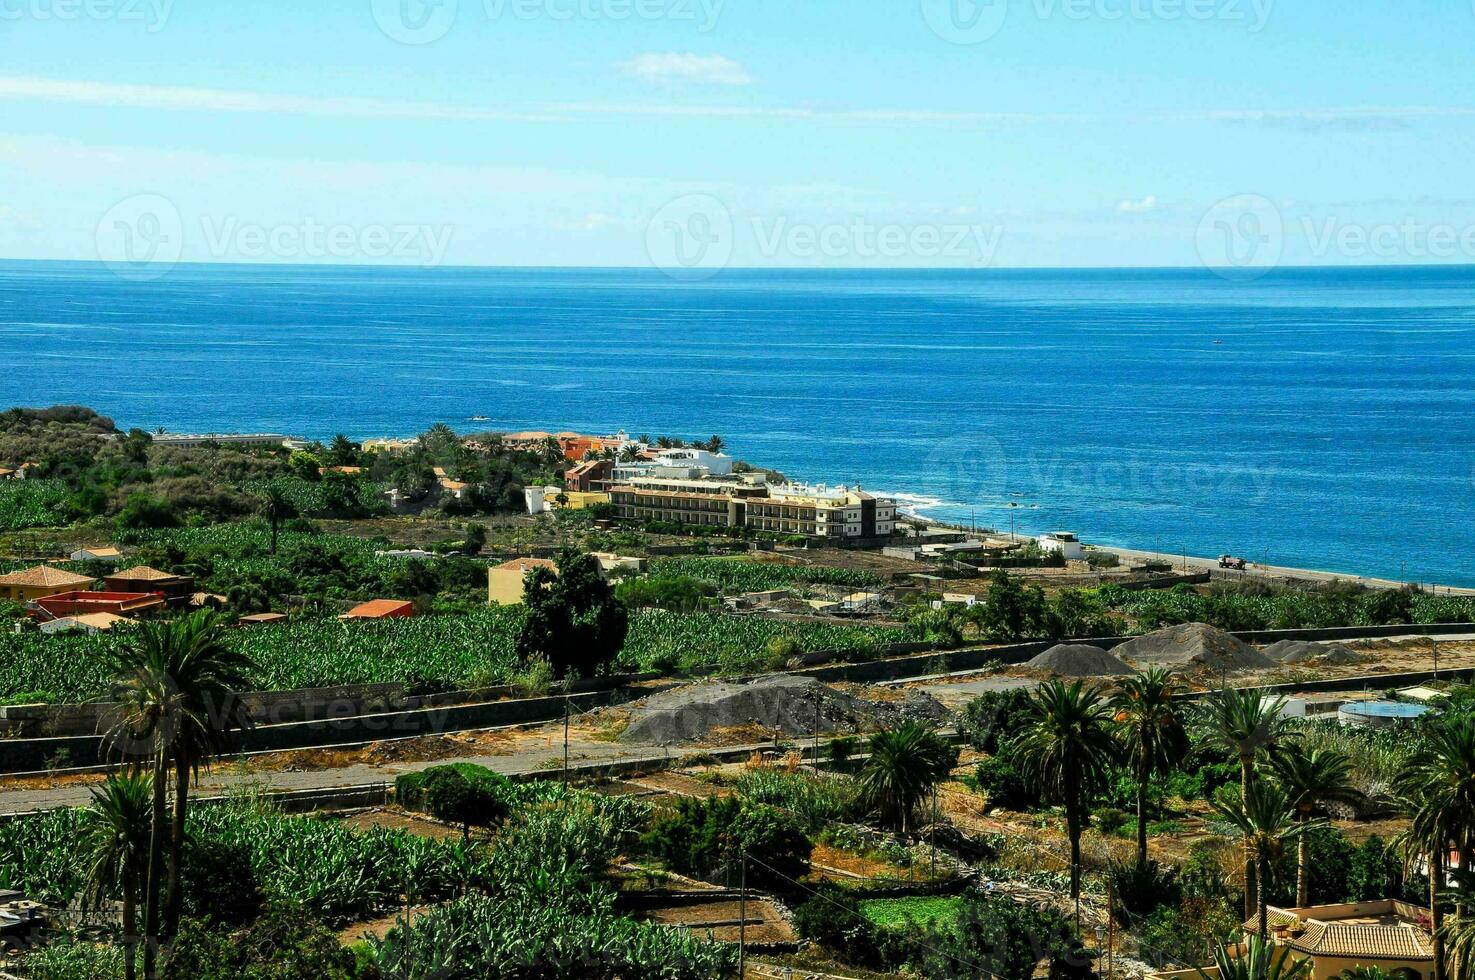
1264, 819
1437, 790
174, 684
115, 835
1244, 722
1067, 751
1458, 934
143, 728
1365, 973
1153, 735
1259, 961
906, 763
1310, 779
275, 508
207, 674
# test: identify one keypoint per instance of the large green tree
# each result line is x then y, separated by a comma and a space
275, 507
174, 684
906, 763
574, 622
115, 836
1067, 752
1309, 779
1436, 789
1153, 735
1264, 820
1244, 722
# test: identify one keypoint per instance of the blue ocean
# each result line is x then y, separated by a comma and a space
1319, 418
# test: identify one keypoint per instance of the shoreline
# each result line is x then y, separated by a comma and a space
1196, 563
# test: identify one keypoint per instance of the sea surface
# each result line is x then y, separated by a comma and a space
1316, 418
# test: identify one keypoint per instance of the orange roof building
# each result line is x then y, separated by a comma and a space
142, 578
61, 604
381, 609
40, 581
504, 581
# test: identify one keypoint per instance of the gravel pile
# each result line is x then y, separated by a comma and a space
1193, 645
1301, 651
779, 702
1079, 660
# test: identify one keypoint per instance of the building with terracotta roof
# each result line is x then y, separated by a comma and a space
96, 554
40, 581
117, 603
1391, 935
261, 619
504, 581
142, 578
94, 622
381, 609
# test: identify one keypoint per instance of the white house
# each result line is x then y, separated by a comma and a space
717, 464
1063, 543
96, 554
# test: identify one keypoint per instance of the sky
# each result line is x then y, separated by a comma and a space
692, 135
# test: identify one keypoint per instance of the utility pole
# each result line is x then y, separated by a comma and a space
565, 740
818, 705
742, 912
1110, 926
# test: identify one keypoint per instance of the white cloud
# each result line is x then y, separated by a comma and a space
680, 67
700, 69
1146, 204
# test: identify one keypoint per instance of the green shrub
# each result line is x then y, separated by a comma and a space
1004, 785
995, 717
457, 798
814, 799
1142, 888
709, 837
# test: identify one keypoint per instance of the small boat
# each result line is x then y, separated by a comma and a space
479, 418
1218, 341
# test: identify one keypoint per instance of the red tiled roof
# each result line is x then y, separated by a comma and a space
525, 564
143, 573
45, 576
379, 608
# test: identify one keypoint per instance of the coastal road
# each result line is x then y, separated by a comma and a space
1257, 570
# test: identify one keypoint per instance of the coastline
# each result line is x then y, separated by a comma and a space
1252, 570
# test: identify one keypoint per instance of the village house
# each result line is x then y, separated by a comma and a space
504, 581
116, 603
1391, 935
141, 578
94, 622
40, 581
97, 554
381, 609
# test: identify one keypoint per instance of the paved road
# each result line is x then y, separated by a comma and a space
1257, 570
227, 776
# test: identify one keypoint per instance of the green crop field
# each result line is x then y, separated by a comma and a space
746, 575
438, 651
918, 909
30, 503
